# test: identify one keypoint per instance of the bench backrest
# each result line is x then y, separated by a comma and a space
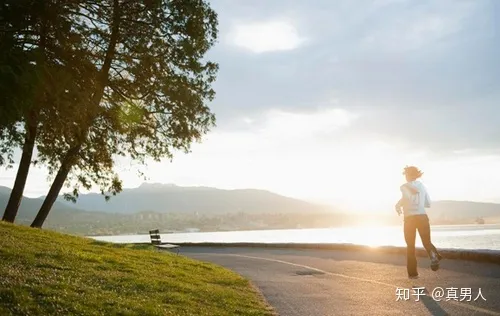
155, 236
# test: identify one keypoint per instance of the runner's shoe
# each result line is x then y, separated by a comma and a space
435, 261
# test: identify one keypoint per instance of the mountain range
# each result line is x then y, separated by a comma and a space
167, 198
178, 208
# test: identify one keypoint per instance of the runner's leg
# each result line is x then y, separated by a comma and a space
424, 230
410, 232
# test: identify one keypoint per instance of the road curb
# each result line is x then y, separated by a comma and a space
480, 255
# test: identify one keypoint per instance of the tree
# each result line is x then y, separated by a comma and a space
11, 71
33, 34
21, 57
149, 93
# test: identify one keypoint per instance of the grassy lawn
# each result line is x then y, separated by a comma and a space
47, 273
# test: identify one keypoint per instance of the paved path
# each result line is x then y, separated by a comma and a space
326, 282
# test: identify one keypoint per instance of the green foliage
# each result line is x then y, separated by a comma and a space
46, 273
33, 71
36, 65
16, 90
101, 79
149, 87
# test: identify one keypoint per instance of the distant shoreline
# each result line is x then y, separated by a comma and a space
477, 237
288, 229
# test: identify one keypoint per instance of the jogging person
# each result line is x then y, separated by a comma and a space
412, 204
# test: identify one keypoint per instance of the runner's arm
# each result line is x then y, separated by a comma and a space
401, 201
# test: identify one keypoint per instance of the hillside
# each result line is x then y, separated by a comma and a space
47, 273
163, 198
259, 210
62, 217
205, 201
30, 206
464, 210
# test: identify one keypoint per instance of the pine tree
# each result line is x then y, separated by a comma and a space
149, 95
31, 33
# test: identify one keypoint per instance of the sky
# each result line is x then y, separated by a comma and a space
327, 101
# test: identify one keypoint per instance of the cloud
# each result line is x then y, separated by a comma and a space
320, 155
317, 155
413, 26
389, 59
449, 131
263, 37
277, 131
304, 125
337, 93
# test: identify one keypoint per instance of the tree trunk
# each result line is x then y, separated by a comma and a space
29, 141
69, 159
22, 174
55, 188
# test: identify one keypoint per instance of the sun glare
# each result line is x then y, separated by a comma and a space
364, 178
374, 236
369, 224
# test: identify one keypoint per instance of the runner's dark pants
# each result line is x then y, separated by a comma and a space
411, 225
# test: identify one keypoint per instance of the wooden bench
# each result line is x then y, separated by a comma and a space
156, 241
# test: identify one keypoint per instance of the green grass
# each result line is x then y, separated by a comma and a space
47, 273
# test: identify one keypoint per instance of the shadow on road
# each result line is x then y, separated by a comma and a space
433, 306
430, 303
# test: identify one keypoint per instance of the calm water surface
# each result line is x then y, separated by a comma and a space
453, 236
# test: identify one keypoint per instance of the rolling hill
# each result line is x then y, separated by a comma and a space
175, 208
168, 198
165, 198
62, 217
30, 206
464, 210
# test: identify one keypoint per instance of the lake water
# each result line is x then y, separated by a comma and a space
450, 236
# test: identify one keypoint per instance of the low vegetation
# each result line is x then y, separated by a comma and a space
48, 273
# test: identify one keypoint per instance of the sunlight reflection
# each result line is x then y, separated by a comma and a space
467, 236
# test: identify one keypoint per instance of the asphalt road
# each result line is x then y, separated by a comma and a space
328, 282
